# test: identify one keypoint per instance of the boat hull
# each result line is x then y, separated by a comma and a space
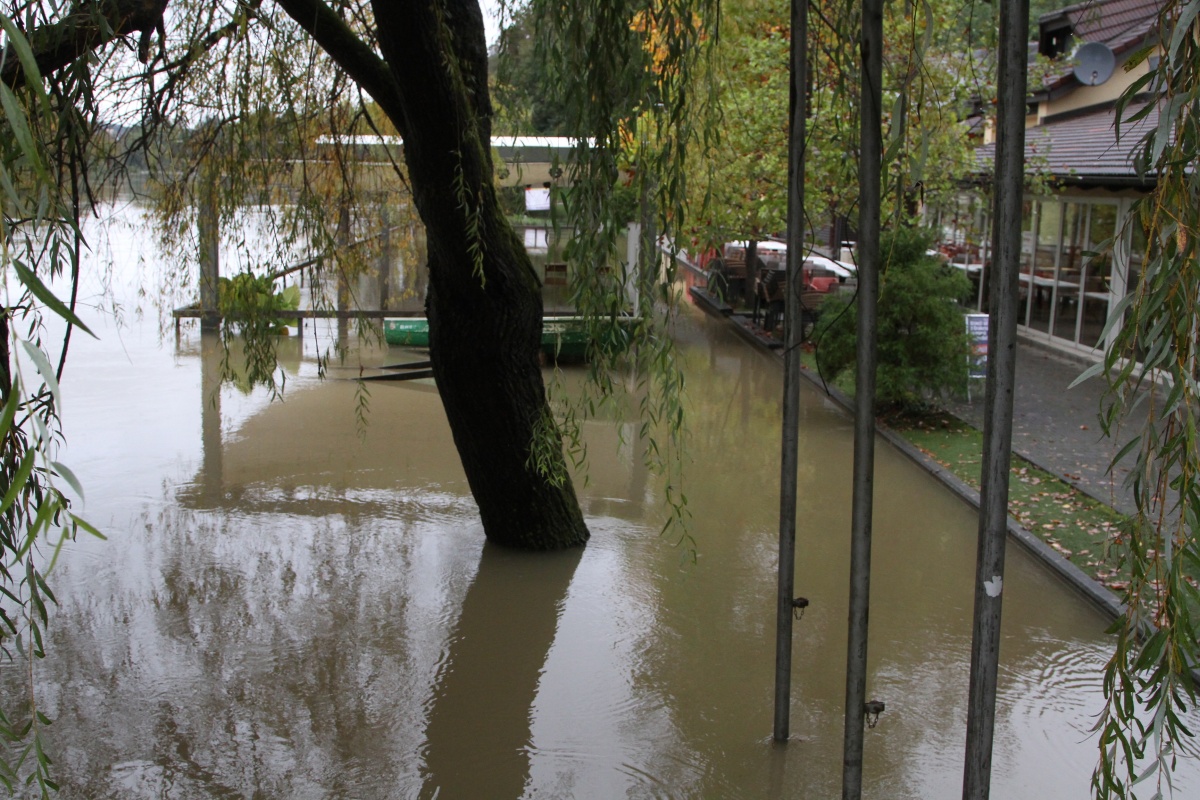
563, 338
406, 331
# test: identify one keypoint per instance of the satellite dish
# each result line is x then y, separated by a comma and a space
1094, 63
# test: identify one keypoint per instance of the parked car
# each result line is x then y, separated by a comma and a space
842, 269
727, 271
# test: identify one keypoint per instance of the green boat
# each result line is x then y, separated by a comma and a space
406, 331
563, 338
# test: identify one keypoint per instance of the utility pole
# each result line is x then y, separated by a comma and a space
869, 182
793, 329
998, 398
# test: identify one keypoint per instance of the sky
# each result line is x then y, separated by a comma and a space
491, 19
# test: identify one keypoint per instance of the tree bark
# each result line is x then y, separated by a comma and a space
87, 27
484, 302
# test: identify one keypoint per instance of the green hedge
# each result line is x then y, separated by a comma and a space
922, 341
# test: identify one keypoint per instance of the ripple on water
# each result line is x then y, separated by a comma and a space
565, 772
1062, 679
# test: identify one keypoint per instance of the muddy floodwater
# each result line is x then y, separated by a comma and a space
290, 605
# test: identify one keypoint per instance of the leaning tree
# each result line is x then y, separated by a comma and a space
199, 75
210, 99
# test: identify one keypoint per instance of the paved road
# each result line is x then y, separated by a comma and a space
1057, 427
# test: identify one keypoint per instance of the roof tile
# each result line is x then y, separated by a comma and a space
1084, 148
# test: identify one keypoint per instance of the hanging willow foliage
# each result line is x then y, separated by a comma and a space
42, 190
233, 105
1155, 359
240, 116
632, 78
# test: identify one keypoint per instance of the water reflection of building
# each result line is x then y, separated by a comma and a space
1079, 255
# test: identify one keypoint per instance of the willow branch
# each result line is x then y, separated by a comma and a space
88, 26
343, 45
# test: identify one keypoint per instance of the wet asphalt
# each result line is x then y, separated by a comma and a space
1057, 426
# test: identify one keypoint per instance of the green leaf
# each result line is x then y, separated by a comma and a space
87, 526
1117, 315
46, 510
1183, 26
1167, 116
43, 293
10, 409
1124, 451
66, 474
15, 198
18, 480
45, 370
39, 424
1090, 372
44, 587
58, 546
19, 125
18, 42
289, 298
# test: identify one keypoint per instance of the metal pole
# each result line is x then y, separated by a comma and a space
386, 254
798, 95
869, 180
998, 400
208, 235
343, 280
748, 288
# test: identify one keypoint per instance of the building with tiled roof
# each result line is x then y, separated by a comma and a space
1122, 25
1079, 254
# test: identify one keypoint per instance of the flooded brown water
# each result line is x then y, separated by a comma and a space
288, 609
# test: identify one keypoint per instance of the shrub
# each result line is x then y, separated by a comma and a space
922, 341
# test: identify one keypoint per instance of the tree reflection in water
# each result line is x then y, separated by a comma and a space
489, 679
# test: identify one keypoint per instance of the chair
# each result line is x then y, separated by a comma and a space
740, 281
770, 294
735, 276
810, 310
717, 280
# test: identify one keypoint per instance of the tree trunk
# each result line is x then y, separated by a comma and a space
484, 302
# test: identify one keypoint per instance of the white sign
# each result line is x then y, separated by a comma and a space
537, 199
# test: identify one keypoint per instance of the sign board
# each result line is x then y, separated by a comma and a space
537, 198
977, 339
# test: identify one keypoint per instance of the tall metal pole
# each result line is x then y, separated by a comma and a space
208, 235
798, 105
998, 399
869, 180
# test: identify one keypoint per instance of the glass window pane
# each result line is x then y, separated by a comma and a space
961, 236
1045, 257
1027, 250
1070, 264
1098, 272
